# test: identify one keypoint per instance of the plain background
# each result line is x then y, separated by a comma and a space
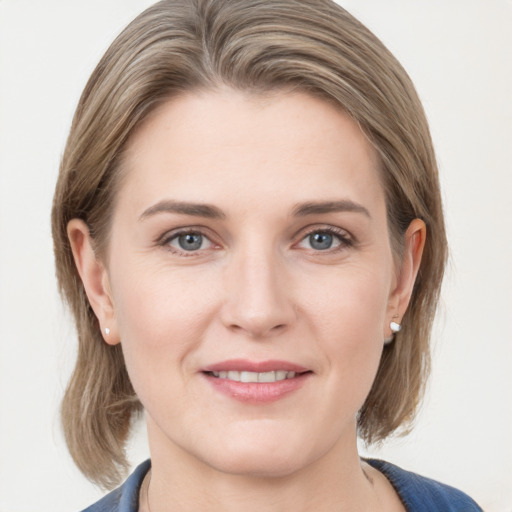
459, 54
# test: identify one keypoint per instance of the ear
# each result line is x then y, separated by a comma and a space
408, 270
95, 279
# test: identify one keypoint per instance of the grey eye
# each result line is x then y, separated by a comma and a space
321, 241
189, 241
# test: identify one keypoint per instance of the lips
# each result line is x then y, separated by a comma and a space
256, 382
245, 376
255, 366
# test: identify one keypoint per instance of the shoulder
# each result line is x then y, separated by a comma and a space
126, 497
421, 494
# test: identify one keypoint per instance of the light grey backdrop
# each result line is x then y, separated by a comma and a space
459, 53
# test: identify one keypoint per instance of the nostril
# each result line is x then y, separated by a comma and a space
255, 330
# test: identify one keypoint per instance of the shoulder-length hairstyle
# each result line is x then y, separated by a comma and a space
313, 46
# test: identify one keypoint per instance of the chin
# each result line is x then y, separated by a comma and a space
265, 456
258, 465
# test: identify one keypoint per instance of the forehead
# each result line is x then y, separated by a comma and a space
222, 145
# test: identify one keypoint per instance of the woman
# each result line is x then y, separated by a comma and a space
248, 229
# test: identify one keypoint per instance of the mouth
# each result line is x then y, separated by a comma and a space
246, 376
256, 382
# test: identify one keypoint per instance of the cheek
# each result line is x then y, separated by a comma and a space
347, 315
350, 303
161, 317
157, 300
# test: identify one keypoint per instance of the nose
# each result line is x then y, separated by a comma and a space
257, 295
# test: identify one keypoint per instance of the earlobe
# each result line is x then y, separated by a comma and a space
95, 279
415, 237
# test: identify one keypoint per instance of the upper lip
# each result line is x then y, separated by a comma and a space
244, 365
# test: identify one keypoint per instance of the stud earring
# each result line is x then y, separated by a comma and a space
395, 327
107, 331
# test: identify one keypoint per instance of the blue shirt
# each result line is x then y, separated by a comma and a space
419, 494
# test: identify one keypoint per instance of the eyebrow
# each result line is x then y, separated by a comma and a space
315, 208
183, 208
212, 212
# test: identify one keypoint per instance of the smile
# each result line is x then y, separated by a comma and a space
245, 376
256, 382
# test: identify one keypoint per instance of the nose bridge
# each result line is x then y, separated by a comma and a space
257, 296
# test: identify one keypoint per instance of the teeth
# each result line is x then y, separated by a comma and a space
255, 376
267, 377
281, 374
234, 375
247, 377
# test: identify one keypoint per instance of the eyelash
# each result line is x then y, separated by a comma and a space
165, 240
345, 240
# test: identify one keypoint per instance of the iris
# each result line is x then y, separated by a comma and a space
321, 241
190, 241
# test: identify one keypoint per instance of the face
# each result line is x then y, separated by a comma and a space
251, 278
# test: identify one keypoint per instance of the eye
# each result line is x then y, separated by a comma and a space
325, 240
321, 241
189, 241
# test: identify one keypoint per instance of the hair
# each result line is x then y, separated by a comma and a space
259, 46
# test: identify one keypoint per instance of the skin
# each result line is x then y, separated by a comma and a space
256, 289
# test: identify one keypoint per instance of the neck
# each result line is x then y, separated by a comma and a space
335, 482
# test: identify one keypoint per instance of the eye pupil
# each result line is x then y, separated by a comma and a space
190, 241
321, 241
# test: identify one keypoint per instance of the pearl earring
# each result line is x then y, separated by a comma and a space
395, 327
107, 331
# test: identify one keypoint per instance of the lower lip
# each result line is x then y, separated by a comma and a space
257, 392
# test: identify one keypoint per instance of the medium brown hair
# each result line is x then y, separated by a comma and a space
313, 46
